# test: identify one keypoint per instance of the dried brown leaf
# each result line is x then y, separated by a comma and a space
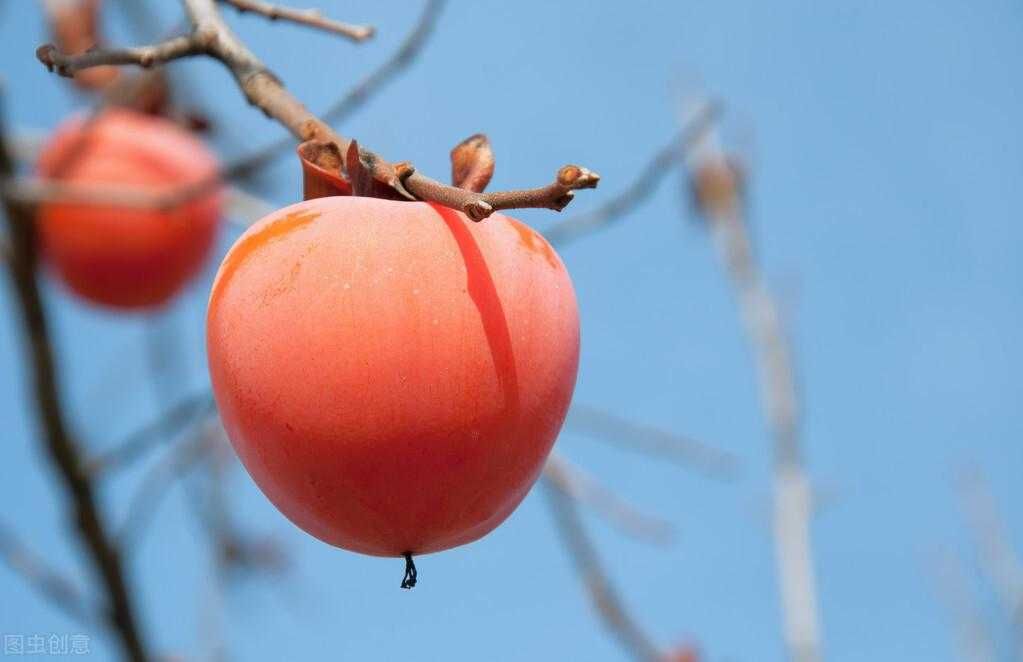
472, 163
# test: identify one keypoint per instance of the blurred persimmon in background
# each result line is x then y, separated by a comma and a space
138, 251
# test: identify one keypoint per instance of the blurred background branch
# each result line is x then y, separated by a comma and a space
718, 190
584, 488
652, 441
603, 596
312, 18
999, 562
657, 168
54, 587
62, 449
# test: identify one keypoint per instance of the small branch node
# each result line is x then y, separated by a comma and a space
576, 177
478, 209
47, 55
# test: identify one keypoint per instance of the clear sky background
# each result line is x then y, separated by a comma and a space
887, 154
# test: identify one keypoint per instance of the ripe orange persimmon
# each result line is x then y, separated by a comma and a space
127, 256
392, 374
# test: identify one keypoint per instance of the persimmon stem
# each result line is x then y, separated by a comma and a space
409, 581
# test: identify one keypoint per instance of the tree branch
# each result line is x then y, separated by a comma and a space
717, 189
405, 55
152, 433
357, 95
178, 461
682, 450
143, 56
585, 489
605, 599
478, 206
308, 17
53, 586
212, 37
61, 447
642, 187
973, 634
34, 191
25, 147
998, 560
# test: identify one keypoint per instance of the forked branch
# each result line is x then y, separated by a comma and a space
359, 93
585, 489
309, 17
717, 186
645, 184
49, 583
212, 37
605, 598
63, 450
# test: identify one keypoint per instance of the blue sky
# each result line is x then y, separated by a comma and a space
886, 153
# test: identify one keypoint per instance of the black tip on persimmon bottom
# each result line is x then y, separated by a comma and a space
410, 571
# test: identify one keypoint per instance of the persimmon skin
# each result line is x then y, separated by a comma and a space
122, 256
391, 374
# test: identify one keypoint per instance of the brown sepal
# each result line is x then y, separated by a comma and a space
472, 163
148, 92
321, 170
372, 177
195, 120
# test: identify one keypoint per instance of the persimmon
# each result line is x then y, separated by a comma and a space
127, 255
392, 375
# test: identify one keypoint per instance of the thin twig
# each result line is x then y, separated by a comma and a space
585, 489
235, 549
53, 586
723, 209
309, 17
155, 432
478, 206
35, 191
405, 55
211, 36
684, 451
642, 187
603, 596
143, 56
243, 207
998, 560
974, 637
62, 449
358, 94
154, 486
